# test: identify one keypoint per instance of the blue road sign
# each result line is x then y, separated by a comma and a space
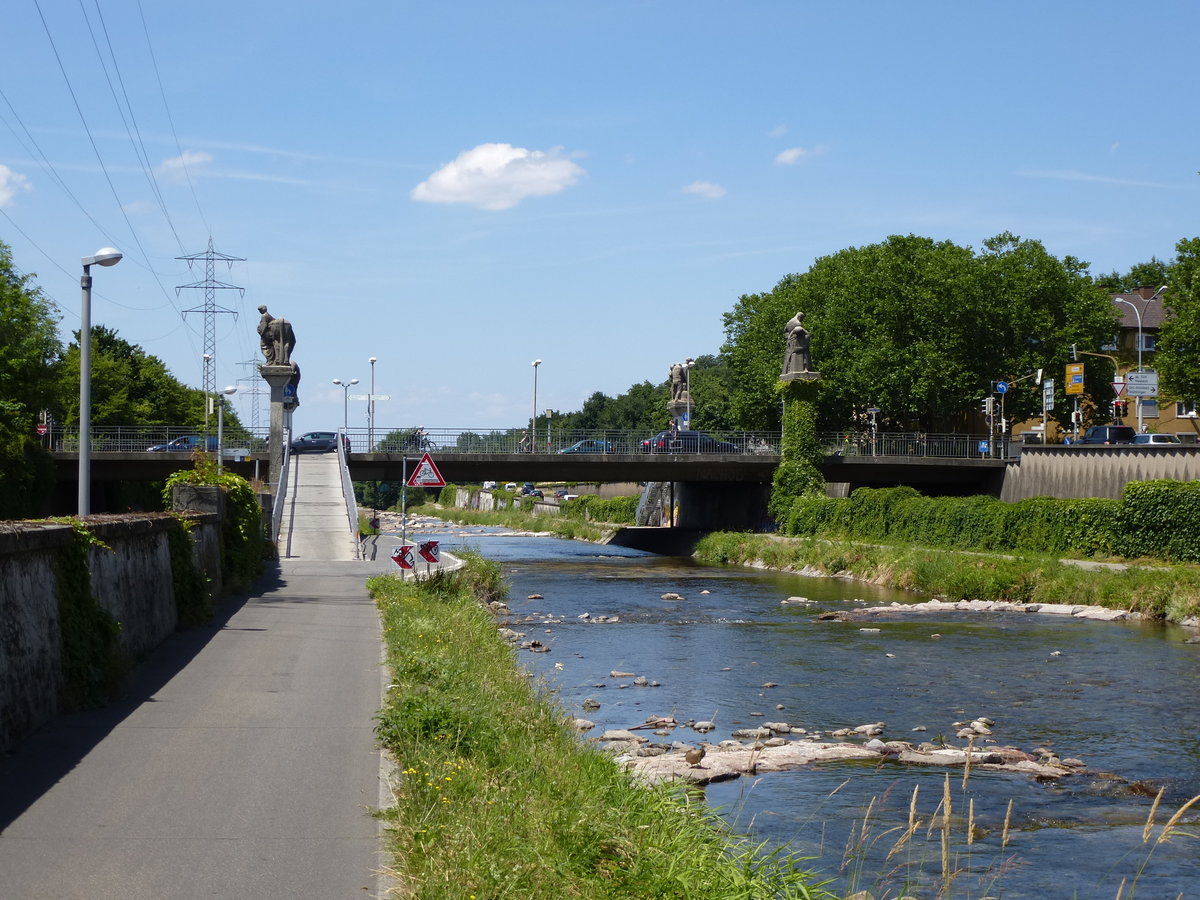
1001, 387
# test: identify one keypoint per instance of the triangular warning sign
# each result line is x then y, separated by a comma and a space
1118, 388
426, 474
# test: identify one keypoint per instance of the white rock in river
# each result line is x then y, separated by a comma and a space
704, 727
583, 724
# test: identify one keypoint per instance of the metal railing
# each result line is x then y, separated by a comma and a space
594, 441
348, 495
444, 441
281, 488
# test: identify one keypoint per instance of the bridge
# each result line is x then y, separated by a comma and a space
934, 464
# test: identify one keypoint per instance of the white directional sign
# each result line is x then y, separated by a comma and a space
1048, 394
403, 556
1141, 384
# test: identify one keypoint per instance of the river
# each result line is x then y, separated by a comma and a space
1120, 697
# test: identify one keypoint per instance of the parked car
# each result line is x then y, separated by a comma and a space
686, 442
489, 485
528, 488
1159, 439
589, 446
188, 443
315, 442
1109, 434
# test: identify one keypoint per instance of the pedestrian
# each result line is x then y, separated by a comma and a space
524, 445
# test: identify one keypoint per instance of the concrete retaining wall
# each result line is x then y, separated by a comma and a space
1094, 471
131, 579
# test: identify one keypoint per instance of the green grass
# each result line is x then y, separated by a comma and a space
496, 797
1162, 592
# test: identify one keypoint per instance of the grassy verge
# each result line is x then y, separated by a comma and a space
1167, 592
519, 520
498, 798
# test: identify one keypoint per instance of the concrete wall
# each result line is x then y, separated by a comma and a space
1094, 471
131, 579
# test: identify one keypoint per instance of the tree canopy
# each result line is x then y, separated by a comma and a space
1178, 355
919, 329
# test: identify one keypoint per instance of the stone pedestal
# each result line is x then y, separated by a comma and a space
278, 378
679, 410
801, 455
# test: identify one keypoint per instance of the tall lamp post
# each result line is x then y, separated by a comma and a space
687, 386
345, 386
533, 424
204, 390
228, 392
371, 410
1137, 312
109, 256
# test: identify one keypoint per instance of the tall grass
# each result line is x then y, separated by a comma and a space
496, 797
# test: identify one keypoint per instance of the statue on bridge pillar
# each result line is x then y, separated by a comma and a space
797, 358
276, 339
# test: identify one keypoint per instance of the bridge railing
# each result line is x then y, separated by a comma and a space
132, 439
590, 441
942, 446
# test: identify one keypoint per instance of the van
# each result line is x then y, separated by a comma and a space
1109, 434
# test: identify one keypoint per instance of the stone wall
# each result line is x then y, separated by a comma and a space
130, 578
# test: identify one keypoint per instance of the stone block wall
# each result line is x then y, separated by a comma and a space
131, 578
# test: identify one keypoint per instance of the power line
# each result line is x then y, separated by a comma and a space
210, 286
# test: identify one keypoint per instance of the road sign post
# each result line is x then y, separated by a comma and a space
403, 557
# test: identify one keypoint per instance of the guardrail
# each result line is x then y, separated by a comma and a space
348, 497
281, 489
941, 446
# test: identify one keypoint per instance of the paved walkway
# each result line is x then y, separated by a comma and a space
242, 763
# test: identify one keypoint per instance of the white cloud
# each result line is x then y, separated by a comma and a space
793, 155
777, 131
177, 168
1069, 175
498, 176
10, 183
706, 189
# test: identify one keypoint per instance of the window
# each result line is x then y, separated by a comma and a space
1149, 341
1149, 408
1185, 409
1111, 346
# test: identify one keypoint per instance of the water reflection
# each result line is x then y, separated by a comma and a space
1119, 696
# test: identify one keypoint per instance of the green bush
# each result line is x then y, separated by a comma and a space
1161, 519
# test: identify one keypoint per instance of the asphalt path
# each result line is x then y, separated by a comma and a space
240, 764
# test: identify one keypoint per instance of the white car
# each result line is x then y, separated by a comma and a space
1159, 439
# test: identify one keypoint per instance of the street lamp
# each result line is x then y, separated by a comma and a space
371, 409
533, 426
228, 392
109, 256
345, 386
1137, 312
204, 389
687, 386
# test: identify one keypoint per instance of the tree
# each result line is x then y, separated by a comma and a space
917, 329
29, 358
129, 386
1145, 274
1178, 355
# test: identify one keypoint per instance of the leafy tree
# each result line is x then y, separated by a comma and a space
29, 357
1178, 355
129, 386
918, 329
1145, 274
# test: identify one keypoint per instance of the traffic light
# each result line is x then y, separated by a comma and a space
987, 406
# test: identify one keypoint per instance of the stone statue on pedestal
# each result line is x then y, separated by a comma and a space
797, 359
276, 339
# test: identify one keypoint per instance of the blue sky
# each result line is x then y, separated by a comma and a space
459, 189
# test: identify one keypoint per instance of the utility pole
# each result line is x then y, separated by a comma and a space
210, 285
252, 379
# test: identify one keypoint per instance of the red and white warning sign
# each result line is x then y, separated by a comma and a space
426, 474
1118, 388
429, 551
403, 556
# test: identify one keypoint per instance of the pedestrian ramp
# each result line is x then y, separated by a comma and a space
315, 524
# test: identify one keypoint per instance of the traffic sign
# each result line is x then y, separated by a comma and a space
1001, 387
1118, 388
1074, 378
1141, 384
429, 551
426, 474
403, 556
43, 428
1048, 394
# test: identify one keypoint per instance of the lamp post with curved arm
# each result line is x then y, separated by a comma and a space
345, 386
109, 256
1138, 313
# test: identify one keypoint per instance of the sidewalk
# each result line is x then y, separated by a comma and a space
241, 764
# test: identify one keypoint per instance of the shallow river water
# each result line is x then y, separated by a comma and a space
1120, 697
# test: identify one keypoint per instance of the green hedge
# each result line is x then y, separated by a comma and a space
1157, 519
